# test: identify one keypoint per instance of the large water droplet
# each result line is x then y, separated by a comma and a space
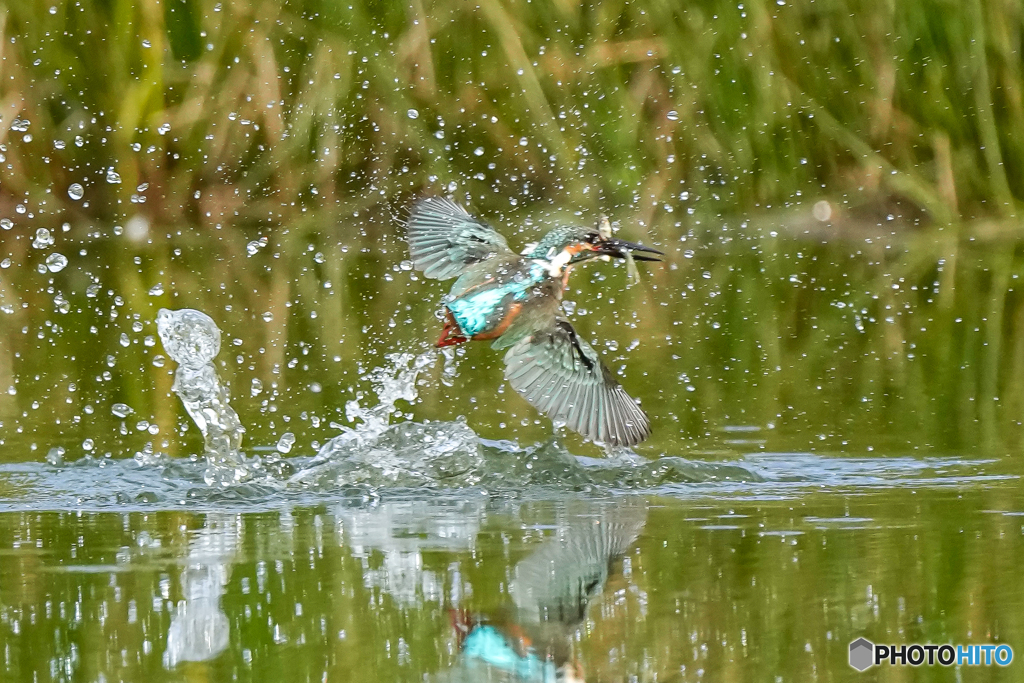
56, 262
189, 336
121, 410
43, 239
76, 191
6, 223
285, 443
413, 114
113, 177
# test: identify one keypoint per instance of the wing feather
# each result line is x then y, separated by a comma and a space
561, 375
444, 239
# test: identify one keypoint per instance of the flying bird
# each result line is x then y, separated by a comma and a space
514, 301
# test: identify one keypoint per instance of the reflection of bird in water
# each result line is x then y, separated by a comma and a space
551, 590
514, 301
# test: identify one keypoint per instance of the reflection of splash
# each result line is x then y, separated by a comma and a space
551, 590
402, 531
199, 630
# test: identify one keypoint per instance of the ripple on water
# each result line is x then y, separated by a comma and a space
423, 458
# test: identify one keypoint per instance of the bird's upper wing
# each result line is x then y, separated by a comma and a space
444, 239
560, 374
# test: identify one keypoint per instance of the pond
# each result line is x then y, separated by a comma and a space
835, 422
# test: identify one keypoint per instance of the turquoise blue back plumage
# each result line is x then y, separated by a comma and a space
481, 309
515, 302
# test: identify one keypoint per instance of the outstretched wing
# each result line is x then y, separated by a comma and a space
443, 238
561, 375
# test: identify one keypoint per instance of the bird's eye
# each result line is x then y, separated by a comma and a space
593, 238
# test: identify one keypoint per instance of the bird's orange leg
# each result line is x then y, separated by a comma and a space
451, 334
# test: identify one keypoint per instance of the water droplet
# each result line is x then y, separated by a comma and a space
113, 177
146, 43
76, 191
285, 443
257, 387
672, 115
121, 410
319, 257
43, 239
156, 290
253, 247
88, 444
268, 316
164, 128
125, 341
56, 262
6, 223
413, 114
62, 305
189, 336
479, 151
55, 456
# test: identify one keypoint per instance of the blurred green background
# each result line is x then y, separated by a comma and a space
258, 111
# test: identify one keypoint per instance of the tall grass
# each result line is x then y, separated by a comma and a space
256, 111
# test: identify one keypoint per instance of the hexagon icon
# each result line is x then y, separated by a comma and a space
862, 654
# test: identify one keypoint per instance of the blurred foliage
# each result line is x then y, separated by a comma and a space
253, 111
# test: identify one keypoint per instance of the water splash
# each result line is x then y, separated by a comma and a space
192, 339
377, 453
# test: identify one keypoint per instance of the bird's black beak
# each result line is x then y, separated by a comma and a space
619, 248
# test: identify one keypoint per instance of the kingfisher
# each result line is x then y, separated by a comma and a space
514, 301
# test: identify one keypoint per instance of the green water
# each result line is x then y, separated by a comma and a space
715, 588
837, 423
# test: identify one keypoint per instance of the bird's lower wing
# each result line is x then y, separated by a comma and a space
561, 375
444, 239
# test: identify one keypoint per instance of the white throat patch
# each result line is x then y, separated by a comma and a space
559, 262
